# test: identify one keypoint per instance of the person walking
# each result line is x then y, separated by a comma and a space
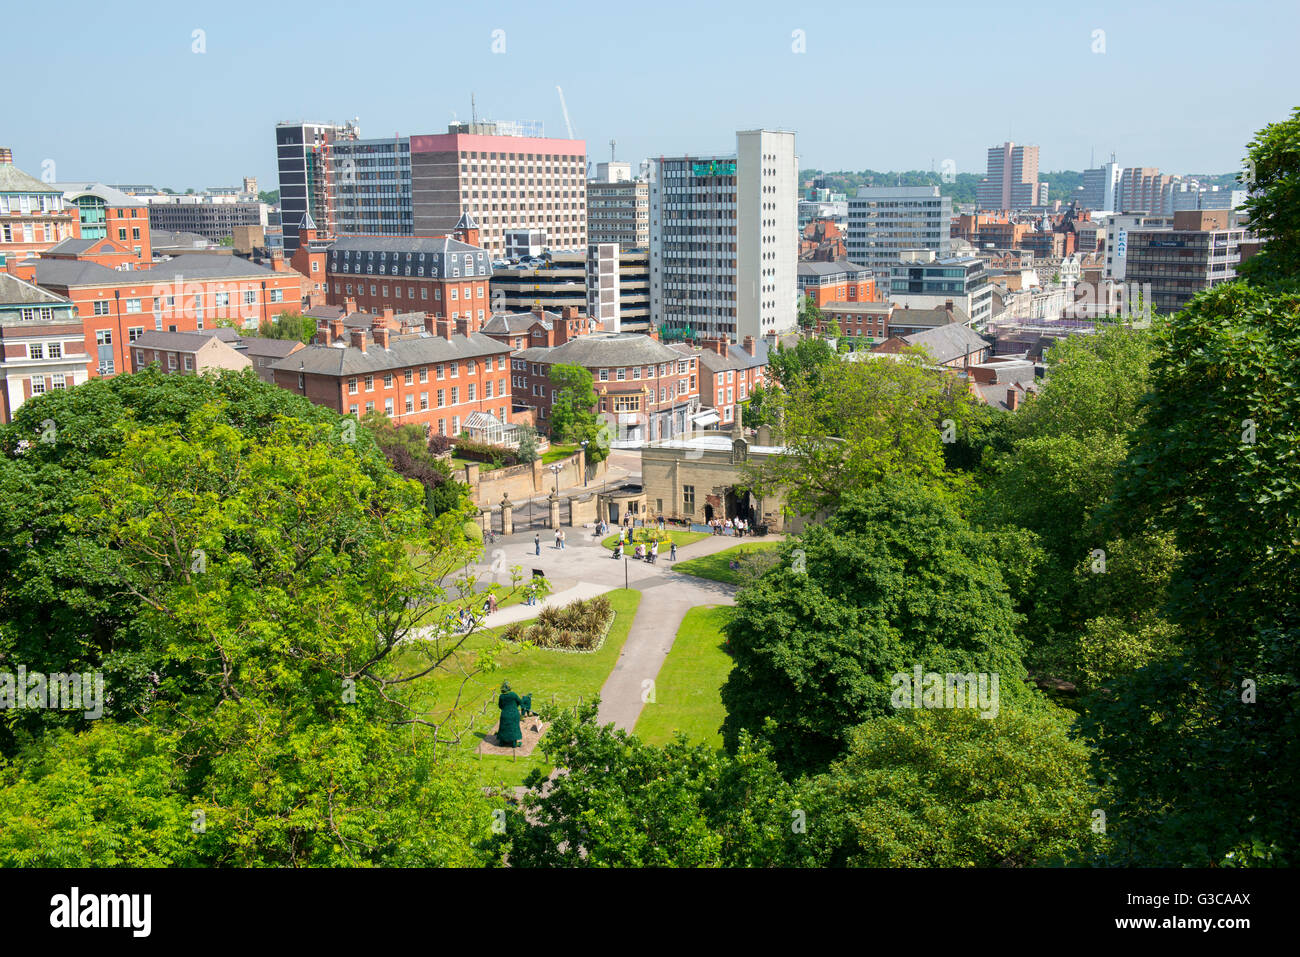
672, 551
537, 543
562, 539
654, 553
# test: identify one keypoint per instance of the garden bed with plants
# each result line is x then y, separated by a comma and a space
648, 535
580, 626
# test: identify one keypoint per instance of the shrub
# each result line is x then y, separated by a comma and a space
578, 626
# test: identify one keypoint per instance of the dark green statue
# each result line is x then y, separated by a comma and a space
511, 705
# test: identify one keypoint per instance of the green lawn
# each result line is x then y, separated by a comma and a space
716, 566
687, 689
639, 534
556, 679
557, 452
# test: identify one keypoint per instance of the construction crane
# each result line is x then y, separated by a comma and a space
566, 112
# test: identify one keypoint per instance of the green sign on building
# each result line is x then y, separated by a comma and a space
714, 168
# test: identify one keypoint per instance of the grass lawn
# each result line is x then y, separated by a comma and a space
557, 452
460, 463
715, 566
682, 538
557, 676
687, 689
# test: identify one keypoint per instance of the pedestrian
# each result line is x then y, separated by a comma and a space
557, 539
562, 539
492, 603
672, 551
537, 543
654, 553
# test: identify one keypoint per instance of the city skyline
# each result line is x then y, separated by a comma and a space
207, 126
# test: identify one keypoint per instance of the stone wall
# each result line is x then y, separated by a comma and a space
522, 482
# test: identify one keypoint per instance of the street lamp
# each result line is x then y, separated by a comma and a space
555, 470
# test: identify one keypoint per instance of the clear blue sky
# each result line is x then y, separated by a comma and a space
113, 92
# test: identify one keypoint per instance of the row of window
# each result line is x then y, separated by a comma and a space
440, 372
57, 381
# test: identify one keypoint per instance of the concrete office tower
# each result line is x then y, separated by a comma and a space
372, 187
724, 239
1144, 190
1101, 187
505, 182
618, 208
602, 286
885, 220
1011, 181
302, 158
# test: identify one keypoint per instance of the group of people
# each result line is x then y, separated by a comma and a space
537, 541
730, 526
648, 553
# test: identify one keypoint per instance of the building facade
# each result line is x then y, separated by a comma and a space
303, 159
1011, 180
724, 239
922, 282
42, 344
885, 220
1199, 251
33, 215
434, 377
619, 212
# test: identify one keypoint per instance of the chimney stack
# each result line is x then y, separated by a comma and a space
430, 324
462, 327
1013, 398
948, 305
324, 334
359, 337
388, 315
336, 329
381, 334
349, 306
6, 155
750, 346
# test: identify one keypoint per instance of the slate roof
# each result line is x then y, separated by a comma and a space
820, 268
73, 273
404, 350
509, 323
164, 239
15, 291
938, 316
736, 357
113, 197
604, 349
949, 342
403, 244
173, 341
269, 348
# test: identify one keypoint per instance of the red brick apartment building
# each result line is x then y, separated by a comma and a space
728, 375
651, 390
33, 215
185, 294
838, 281
445, 276
524, 330
436, 376
42, 344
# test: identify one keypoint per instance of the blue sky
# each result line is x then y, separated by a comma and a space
114, 92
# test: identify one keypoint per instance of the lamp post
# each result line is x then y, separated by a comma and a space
555, 470
584, 463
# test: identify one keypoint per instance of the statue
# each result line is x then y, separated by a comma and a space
511, 705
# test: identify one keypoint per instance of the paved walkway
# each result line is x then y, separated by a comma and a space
665, 598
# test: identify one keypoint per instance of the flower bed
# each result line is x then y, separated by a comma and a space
580, 626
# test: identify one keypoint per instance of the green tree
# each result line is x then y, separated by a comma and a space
848, 425
893, 579
949, 788
1273, 178
527, 449
573, 415
1214, 464
623, 803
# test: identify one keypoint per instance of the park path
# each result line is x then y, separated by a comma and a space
665, 598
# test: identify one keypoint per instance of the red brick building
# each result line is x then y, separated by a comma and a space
185, 294
435, 377
839, 281
445, 276
728, 375
33, 215
649, 389
42, 344
524, 330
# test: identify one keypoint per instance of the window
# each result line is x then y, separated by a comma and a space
440, 371
106, 367
388, 380
455, 395
370, 384
621, 375
101, 307
409, 377
469, 393
688, 499
36, 351
604, 375
370, 406
171, 360
441, 397
410, 403
352, 409
134, 333
38, 385
189, 367
104, 337
352, 386
424, 374
59, 381
388, 406
133, 306
455, 370
424, 400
